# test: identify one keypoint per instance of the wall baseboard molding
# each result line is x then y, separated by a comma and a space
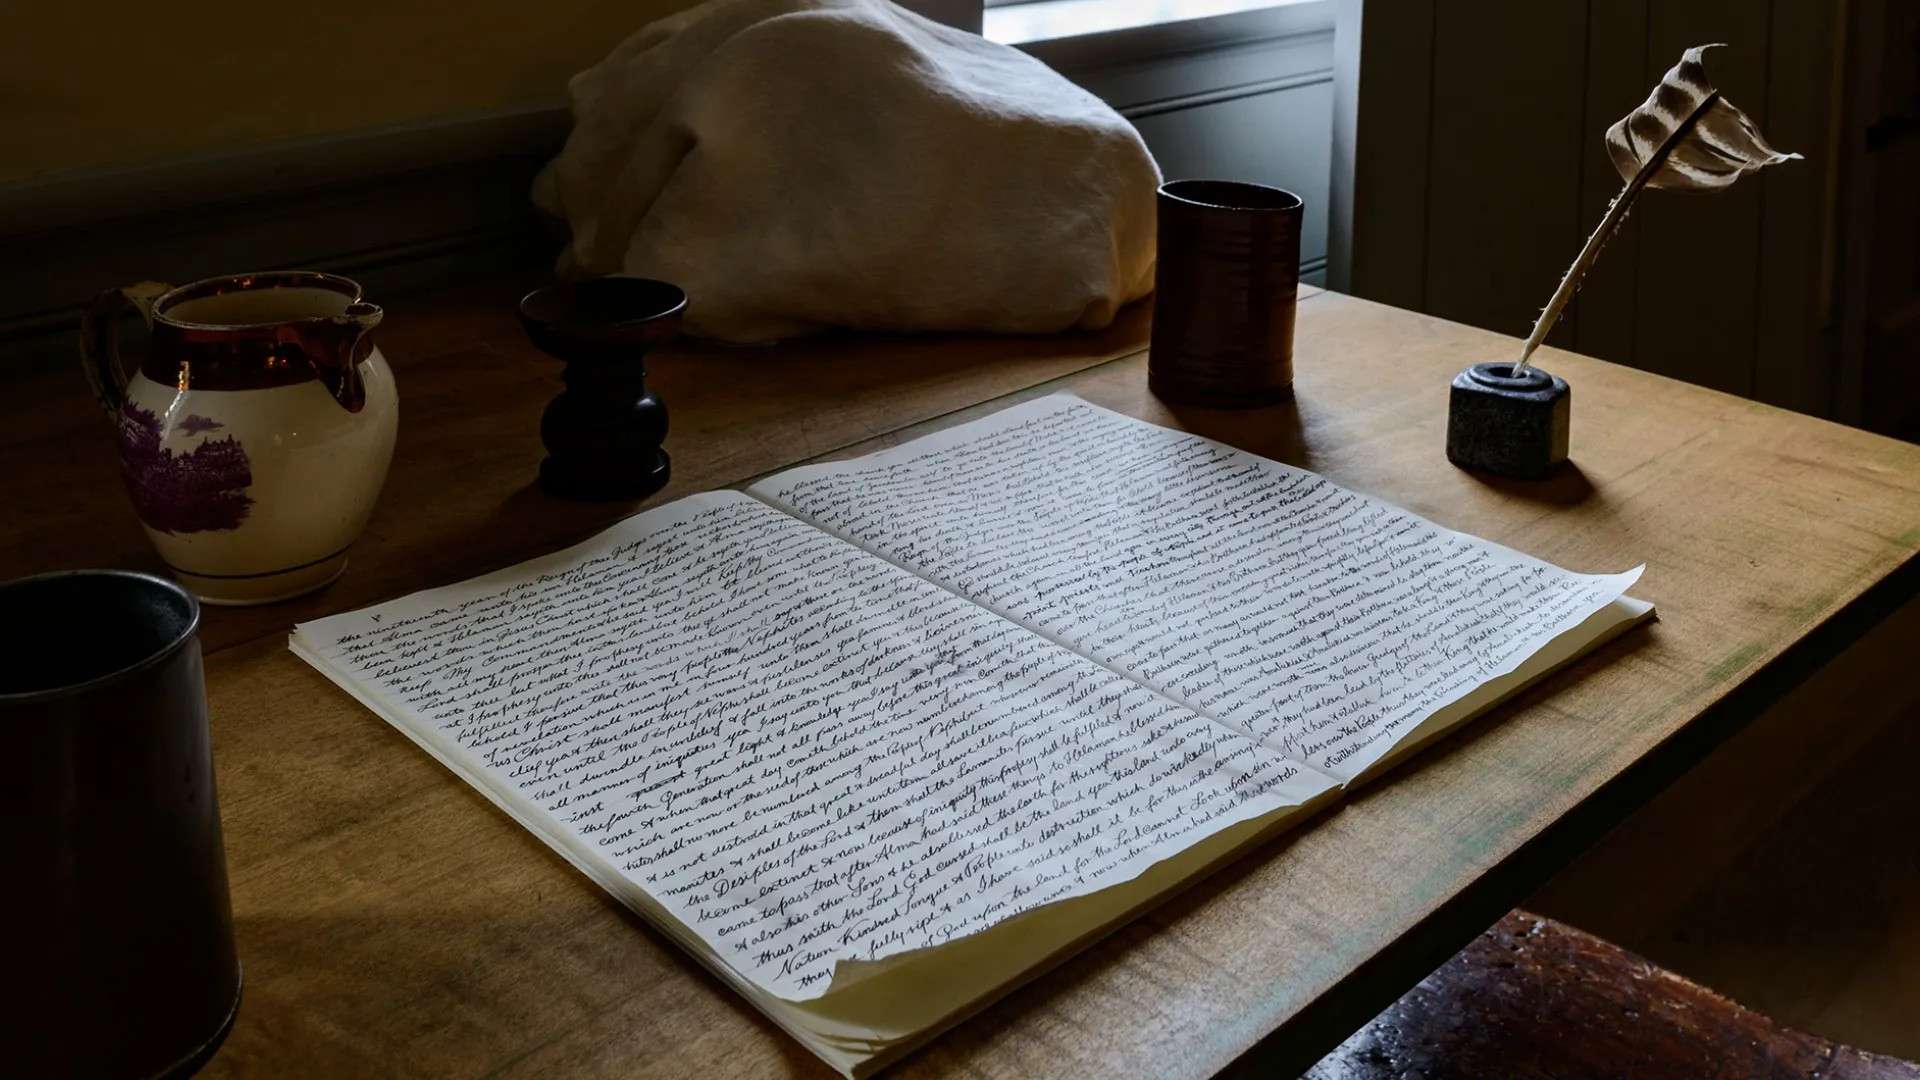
400, 207
1228, 93
291, 167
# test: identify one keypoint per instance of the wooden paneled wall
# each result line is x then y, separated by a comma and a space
1470, 164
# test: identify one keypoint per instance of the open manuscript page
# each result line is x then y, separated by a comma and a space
1328, 624
788, 751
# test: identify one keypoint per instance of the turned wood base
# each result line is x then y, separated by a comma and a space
601, 481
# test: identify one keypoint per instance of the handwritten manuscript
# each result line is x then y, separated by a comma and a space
877, 739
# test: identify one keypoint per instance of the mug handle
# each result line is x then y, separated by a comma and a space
100, 339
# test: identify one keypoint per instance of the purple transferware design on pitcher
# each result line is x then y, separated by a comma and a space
201, 489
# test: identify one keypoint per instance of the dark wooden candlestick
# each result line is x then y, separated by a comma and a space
603, 433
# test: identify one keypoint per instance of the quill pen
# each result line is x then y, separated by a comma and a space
1686, 137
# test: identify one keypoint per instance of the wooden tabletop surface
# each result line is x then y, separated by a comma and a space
393, 923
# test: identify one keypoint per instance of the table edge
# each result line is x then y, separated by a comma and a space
1318, 1028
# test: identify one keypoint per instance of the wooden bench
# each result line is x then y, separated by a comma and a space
1532, 997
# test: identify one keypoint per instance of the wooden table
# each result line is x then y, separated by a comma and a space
393, 923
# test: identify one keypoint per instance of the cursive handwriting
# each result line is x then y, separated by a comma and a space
803, 753
1324, 621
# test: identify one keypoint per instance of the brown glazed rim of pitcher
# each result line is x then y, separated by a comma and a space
1190, 193
236, 283
158, 656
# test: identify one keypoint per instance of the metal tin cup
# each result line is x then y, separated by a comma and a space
1225, 287
114, 916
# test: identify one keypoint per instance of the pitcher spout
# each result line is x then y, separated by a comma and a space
338, 346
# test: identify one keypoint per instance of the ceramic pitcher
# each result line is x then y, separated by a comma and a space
256, 432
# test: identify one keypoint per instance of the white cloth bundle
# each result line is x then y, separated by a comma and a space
800, 164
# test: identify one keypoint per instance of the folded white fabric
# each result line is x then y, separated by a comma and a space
800, 164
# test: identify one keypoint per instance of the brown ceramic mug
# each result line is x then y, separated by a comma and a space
1225, 286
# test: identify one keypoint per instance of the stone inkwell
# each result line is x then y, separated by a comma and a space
603, 433
1507, 424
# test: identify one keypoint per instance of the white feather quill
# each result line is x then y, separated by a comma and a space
1686, 137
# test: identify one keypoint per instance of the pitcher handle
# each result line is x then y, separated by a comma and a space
100, 339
